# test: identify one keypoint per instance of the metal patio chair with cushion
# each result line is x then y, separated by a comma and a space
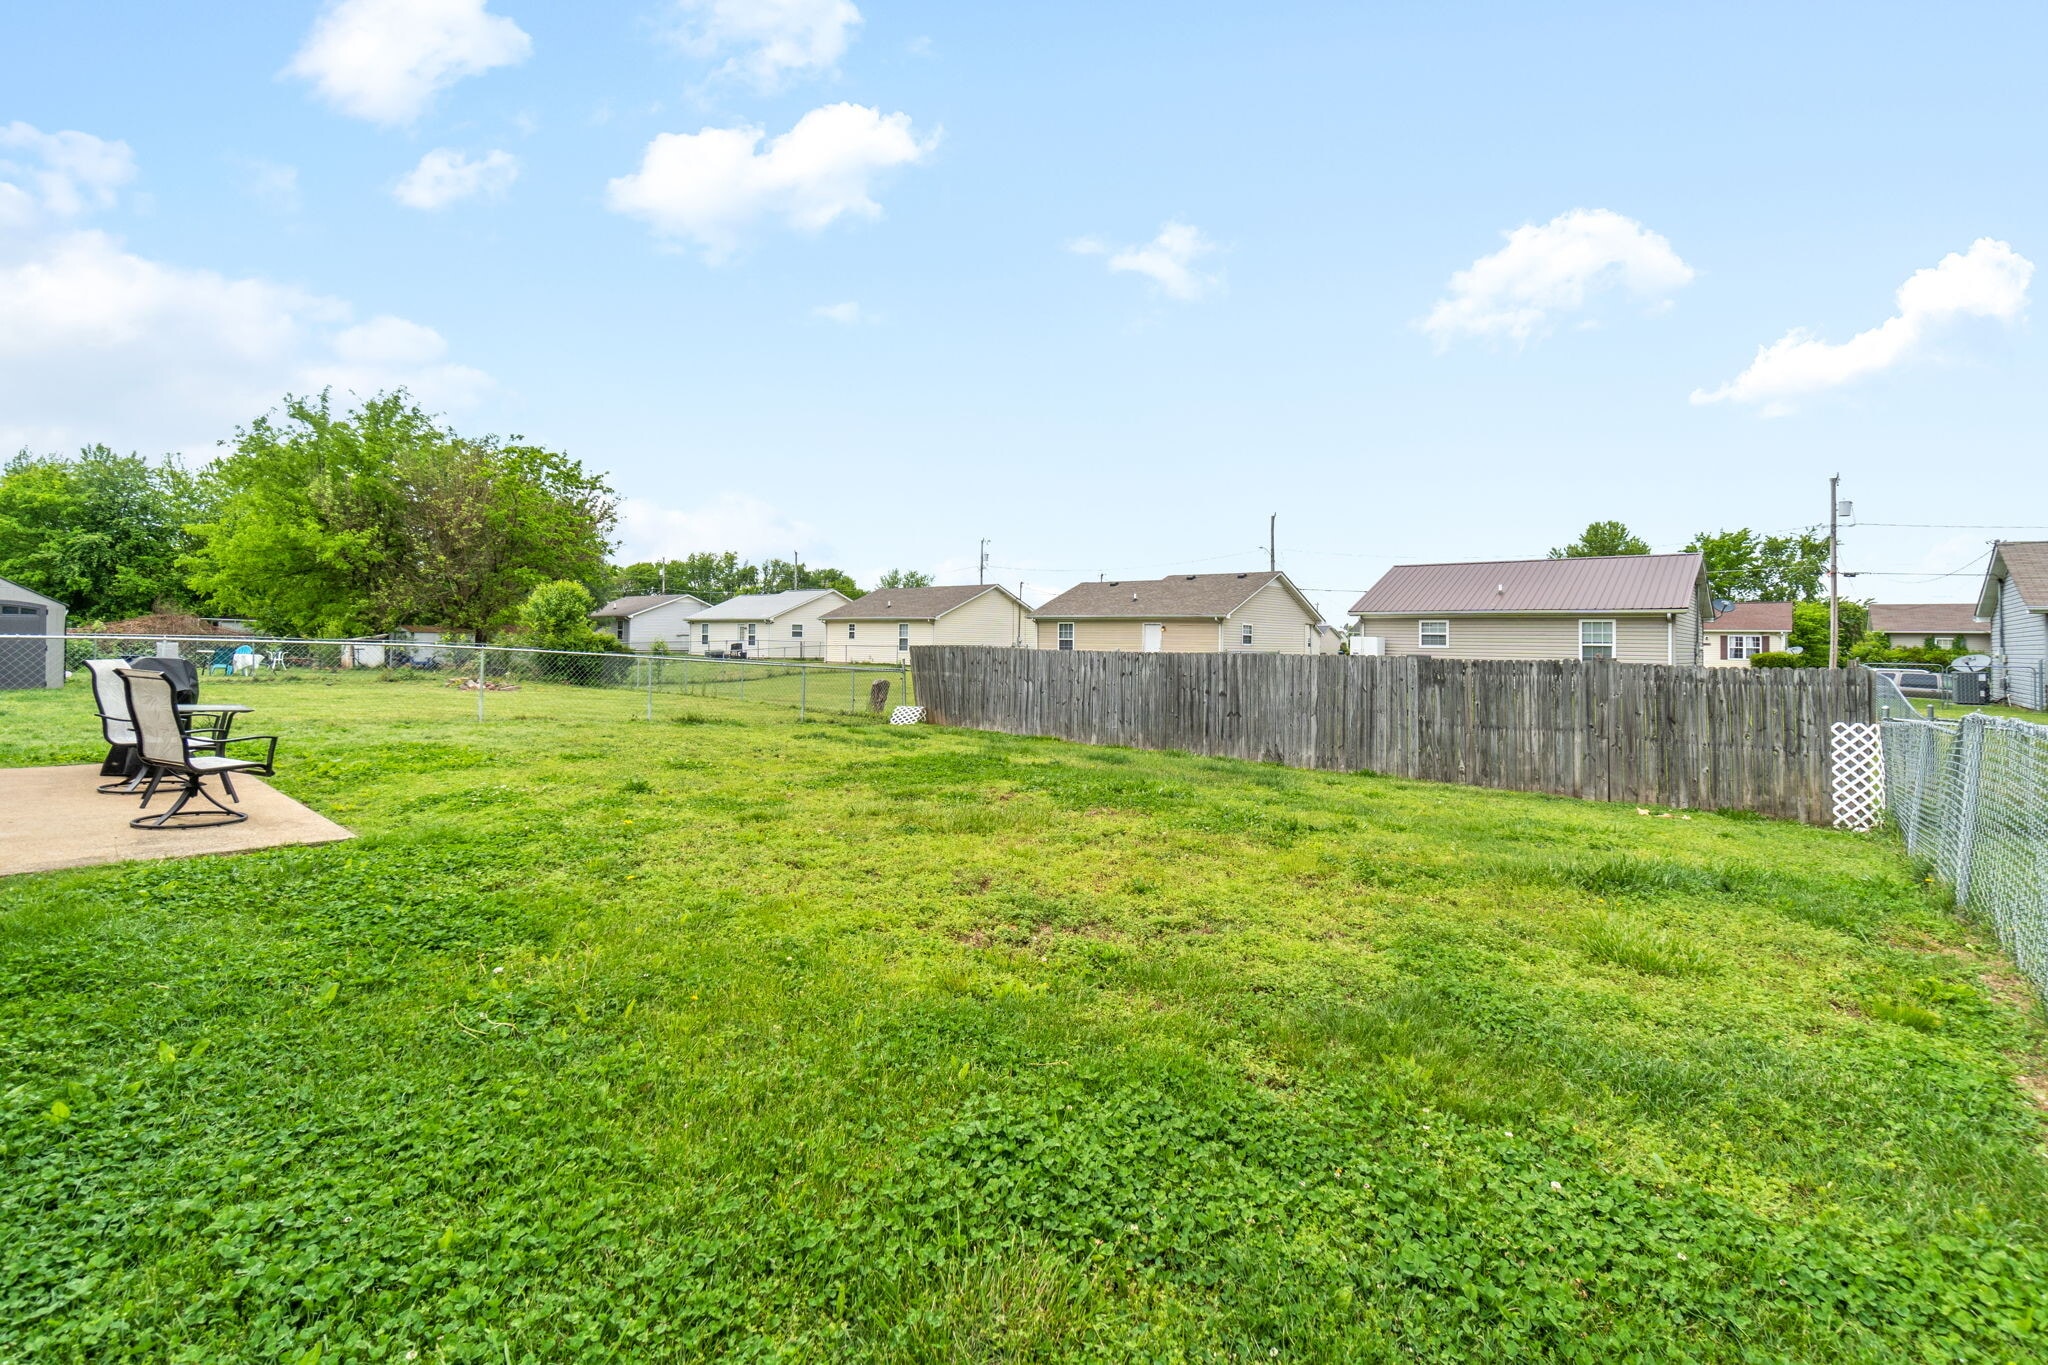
110, 697
167, 752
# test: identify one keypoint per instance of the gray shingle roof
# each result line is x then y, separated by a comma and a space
762, 606
910, 604
633, 606
1595, 583
1182, 595
1758, 617
1943, 618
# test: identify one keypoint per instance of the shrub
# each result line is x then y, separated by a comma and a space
1774, 658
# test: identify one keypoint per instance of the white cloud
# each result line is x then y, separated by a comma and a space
845, 314
739, 522
99, 343
776, 38
270, 183
445, 175
58, 175
1988, 281
385, 60
709, 187
1167, 260
1544, 271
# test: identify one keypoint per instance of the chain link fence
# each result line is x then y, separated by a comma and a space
1971, 797
445, 678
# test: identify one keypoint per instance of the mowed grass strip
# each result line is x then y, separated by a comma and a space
725, 1037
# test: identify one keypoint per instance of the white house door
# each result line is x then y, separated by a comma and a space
1155, 637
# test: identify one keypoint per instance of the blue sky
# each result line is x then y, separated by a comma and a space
871, 280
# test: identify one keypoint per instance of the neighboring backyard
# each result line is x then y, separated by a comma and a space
725, 1036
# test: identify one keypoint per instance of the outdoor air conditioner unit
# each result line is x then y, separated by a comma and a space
1369, 644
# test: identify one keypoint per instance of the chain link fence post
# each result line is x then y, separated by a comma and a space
482, 679
803, 690
1969, 789
650, 664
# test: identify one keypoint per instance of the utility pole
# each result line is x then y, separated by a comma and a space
796, 569
981, 573
1272, 549
664, 578
1834, 574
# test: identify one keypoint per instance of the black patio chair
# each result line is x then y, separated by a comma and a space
168, 752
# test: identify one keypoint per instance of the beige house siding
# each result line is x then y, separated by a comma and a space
1195, 636
993, 618
990, 619
1280, 624
1642, 639
1711, 648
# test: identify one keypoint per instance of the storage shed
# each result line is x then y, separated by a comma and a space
31, 638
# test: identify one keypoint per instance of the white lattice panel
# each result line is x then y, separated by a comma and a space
906, 715
1858, 755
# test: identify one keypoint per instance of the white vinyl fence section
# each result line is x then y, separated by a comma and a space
1971, 797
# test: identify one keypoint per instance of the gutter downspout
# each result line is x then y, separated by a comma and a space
1670, 637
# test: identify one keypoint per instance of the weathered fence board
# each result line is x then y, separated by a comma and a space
1697, 738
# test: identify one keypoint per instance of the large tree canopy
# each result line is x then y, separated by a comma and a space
100, 532
1745, 567
343, 524
717, 576
1603, 538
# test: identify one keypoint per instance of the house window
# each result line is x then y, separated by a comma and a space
1596, 639
752, 639
1244, 635
852, 630
1066, 632
704, 635
796, 632
902, 635
1433, 635
1745, 646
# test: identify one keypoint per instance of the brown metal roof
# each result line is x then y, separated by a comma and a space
1912, 618
1182, 595
911, 604
1595, 583
1755, 618
2026, 564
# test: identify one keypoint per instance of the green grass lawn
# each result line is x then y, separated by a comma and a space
726, 1037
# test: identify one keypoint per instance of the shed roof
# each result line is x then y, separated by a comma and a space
1942, 618
1594, 583
1181, 595
912, 604
1759, 617
633, 606
2026, 563
11, 589
763, 606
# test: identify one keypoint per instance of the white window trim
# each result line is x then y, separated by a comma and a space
1063, 635
902, 636
1244, 634
796, 630
1611, 644
1423, 632
852, 631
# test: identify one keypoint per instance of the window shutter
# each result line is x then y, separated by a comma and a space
1724, 646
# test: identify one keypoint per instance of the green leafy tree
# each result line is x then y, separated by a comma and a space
713, 577
343, 524
904, 578
1603, 538
636, 580
1810, 630
1745, 567
780, 575
100, 532
557, 616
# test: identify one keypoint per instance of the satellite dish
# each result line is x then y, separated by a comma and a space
1795, 649
1970, 663
1722, 606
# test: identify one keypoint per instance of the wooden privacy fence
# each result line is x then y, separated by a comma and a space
1655, 734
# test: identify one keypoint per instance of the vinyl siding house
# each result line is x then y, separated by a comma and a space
778, 625
1258, 613
882, 626
1752, 628
1912, 625
639, 622
2014, 596
1636, 608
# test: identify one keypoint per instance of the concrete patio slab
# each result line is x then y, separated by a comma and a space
51, 818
